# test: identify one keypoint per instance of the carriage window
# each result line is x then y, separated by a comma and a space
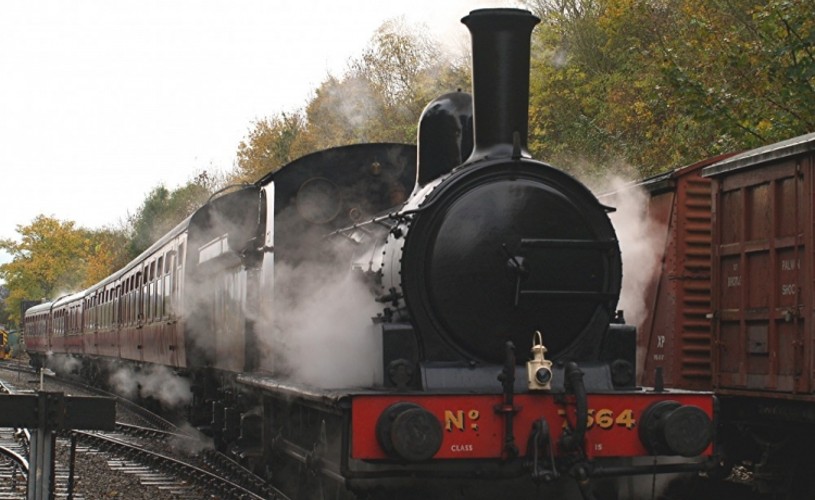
144, 301
160, 266
134, 294
126, 302
131, 297
148, 305
168, 286
159, 298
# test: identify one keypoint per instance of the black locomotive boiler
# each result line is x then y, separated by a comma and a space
494, 361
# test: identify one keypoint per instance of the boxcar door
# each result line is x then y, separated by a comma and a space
763, 226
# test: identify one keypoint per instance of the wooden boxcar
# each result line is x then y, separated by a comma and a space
763, 219
674, 334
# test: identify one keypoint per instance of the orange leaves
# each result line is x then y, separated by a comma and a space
54, 257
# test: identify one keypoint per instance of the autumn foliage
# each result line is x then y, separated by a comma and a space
640, 85
659, 84
54, 257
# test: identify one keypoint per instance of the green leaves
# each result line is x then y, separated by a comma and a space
163, 209
662, 84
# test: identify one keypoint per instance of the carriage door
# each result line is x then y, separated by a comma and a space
760, 266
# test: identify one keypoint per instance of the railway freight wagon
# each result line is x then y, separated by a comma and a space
673, 338
762, 310
763, 220
731, 308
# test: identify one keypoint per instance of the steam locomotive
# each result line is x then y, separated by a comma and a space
486, 352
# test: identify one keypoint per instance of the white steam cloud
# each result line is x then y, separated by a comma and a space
321, 332
62, 364
194, 443
154, 381
642, 242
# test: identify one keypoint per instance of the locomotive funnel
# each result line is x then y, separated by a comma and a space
501, 48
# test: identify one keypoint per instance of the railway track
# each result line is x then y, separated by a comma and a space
13, 459
180, 478
13, 465
148, 454
154, 455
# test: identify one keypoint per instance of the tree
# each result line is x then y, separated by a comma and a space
660, 84
54, 257
163, 209
272, 142
744, 69
4, 314
109, 254
386, 89
593, 98
379, 99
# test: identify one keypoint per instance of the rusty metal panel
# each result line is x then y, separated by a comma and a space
652, 340
693, 288
762, 273
676, 335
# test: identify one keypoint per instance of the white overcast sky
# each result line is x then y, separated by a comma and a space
102, 100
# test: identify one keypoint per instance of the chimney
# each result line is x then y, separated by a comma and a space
501, 48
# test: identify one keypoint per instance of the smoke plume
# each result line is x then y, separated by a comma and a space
62, 364
642, 242
152, 381
321, 331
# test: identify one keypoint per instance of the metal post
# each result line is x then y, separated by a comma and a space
33, 465
71, 469
41, 465
46, 414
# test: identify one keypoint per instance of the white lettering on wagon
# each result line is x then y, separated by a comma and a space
461, 448
790, 265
